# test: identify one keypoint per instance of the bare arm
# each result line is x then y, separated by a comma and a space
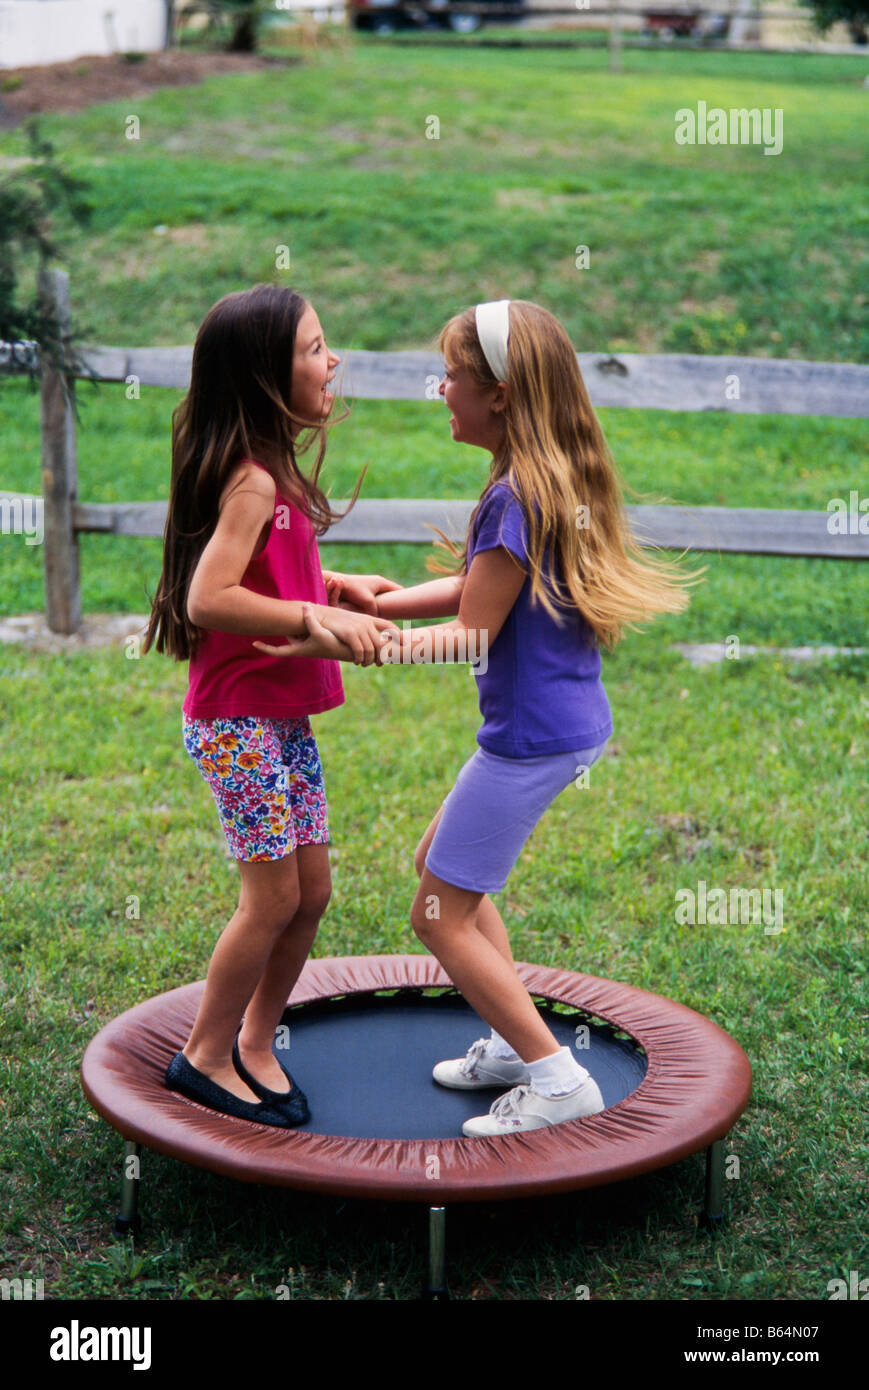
440, 598
491, 588
217, 599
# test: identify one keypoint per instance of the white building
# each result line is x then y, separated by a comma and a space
34, 32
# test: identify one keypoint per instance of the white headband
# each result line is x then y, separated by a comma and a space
493, 331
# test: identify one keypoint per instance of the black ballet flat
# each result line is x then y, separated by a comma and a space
292, 1103
195, 1085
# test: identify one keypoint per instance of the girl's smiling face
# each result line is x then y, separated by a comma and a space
476, 412
313, 368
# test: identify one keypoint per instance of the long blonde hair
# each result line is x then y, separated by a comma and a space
558, 465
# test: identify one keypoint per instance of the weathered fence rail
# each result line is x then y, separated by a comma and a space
373, 521
741, 385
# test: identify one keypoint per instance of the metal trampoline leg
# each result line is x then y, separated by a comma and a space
127, 1220
437, 1235
713, 1207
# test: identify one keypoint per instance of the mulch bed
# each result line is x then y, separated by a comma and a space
74, 85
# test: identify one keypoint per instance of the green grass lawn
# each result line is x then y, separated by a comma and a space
691, 248
751, 774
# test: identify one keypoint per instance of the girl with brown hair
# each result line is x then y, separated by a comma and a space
239, 559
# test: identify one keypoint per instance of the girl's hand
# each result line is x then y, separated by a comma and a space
337, 635
334, 588
358, 592
318, 641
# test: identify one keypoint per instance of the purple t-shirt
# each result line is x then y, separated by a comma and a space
542, 691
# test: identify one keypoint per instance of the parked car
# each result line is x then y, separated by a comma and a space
385, 17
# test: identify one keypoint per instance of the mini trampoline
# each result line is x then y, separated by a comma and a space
673, 1083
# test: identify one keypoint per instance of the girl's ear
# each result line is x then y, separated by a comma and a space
500, 398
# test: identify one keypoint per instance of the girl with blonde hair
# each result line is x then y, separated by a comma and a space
550, 575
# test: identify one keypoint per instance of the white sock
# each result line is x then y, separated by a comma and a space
499, 1047
557, 1074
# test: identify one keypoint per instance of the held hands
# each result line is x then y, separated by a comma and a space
337, 635
356, 592
334, 588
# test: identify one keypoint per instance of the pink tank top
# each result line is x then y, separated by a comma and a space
228, 676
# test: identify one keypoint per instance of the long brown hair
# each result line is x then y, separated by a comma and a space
238, 406
557, 463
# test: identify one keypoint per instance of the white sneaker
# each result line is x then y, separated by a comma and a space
480, 1068
522, 1109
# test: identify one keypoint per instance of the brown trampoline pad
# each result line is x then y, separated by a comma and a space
697, 1083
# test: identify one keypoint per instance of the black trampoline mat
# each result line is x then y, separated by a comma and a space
365, 1063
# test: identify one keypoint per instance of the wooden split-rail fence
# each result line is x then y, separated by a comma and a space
745, 385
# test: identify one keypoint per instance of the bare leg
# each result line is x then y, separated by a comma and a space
268, 900
491, 925
290, 952
477, 966
488, 919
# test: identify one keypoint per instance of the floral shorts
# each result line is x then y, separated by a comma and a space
266, 779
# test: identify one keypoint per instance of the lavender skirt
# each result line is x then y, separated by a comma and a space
493, 808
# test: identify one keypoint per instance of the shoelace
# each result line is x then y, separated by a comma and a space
475, 1054
507, 1106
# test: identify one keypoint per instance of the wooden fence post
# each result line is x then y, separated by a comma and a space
615, 35
59, 472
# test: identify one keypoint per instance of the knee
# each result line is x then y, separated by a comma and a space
313, 902
425, 918
270, 910
418, 923
281, 912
